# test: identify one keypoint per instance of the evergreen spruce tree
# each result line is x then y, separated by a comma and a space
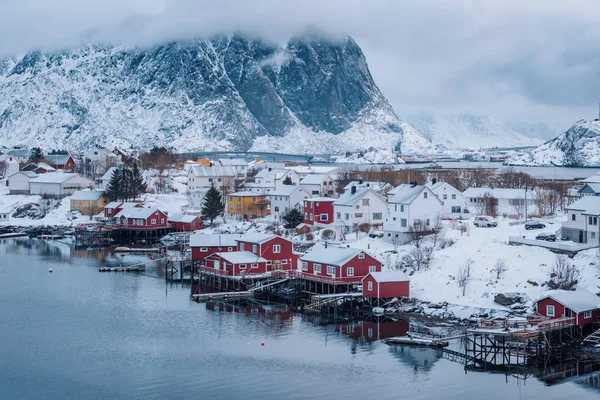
36, 155
138, 184
288, 180
293, 218
114, 189
212, 205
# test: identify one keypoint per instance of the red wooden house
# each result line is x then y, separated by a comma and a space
60, 161
338, 265
203, 245
276, 250
115, 207
183, 222
582, 305
385, 285
318, 211
236, 263
141, 218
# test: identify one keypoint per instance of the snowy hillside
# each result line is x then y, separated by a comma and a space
313, 96
471, 132
579, 146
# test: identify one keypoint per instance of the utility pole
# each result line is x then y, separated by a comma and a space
525, 203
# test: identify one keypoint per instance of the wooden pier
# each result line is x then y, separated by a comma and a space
222, 296
121, 269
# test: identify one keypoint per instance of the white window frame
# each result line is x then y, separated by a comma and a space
304, 266
350, 271
370, 286
324, 217
254, 266
317, 268
241, 246
276, 248
550, 311
203, 249
242, 266
361, 255
254, 248
331, 270
587, 315
230, 249
372, 268
284, 262
153, 221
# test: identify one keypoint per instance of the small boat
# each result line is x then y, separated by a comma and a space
415, 341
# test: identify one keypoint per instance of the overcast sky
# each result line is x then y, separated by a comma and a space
533, 60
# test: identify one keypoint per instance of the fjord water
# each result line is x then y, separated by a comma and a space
80, 334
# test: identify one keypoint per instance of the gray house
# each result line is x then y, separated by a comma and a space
582, 220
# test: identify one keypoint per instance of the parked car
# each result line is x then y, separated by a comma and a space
376, 234
550, 237
485, 221
534, 225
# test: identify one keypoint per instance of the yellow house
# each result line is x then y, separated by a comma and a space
248, 204
88, 202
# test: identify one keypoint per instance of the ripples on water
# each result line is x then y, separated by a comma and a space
81, 334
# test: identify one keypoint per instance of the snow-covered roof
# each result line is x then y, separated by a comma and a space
233, 162
128, 204
42, 165
278, 173
499, 193
58, 159
313, 169
53, 177
315, 179
579, 300
240, 257
389, 276
405, 194
29, 174
214, 171
285, 190
136, 213
108, 174
257, 238
242, 194
87, 195
592, 179
325, 199
5, 157
204, 240
338, 223
377, 186
332, 255
349, 199
587, 204
20, 153
594, 186
185, 218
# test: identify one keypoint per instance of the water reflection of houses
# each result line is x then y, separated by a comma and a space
279, 313
372, 330
418, 358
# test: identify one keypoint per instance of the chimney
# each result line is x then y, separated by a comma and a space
413, 184
433, 181
353, 189
360, 182
325, 244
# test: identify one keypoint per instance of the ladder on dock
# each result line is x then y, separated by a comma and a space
594, 338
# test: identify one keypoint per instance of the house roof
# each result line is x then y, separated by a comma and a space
87, 195
389, 276
331, 255
4, 157
377, 186
20, 153
245, 194
41, 165
594, 186
587, 204
29, 174
137, 213
499, 193
185, 218
240, 257
579, 300
321, 199
349, 199
286, 190
315, 179
214, 171
204, 240
278, 173
108, 174
53, 177
58, 159
592, 179
405, 193
233, 162
128, 204
257, 238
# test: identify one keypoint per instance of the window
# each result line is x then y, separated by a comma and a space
254, 265
276, 248
445, 197
358, 215
377, 216
402, 208
242, 266
361, 255
210, 179
269, 262
331, 270
587, 314
338, 215
425, 195
370, 286
317, 268
162, 220
230, 249
365, 202
372, 268
403, 223
315, 192
241, 246
572, 217
593, 220
455, 209
417, 221
304, 266
427, 222
324, 217
305, 215
347, 216
253, 198
284, 262
203, 249
350, 271
311, 216
453, 197
593, 235
254, 248
276, 208
153, 221
550, 311
218, 179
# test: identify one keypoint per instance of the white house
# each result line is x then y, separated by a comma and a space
358, 207
318, 184
59, 184
268, 180
101, 155
304, 170
510, 201
107, 177
582, 220
239, 165
19, 183
453, 201
11, 165
196, 199
4, 215
410, 206
286, 198
218, 176
378, 187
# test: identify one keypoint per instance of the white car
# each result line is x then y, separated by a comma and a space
485, 221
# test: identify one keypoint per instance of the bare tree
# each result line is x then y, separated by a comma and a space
3, 168
487, 205
544, 200
464, 275
422, 257
519, 206
563, 275
418, 234
499, 268
344, 178
437, 229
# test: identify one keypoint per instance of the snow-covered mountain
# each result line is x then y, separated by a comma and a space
314, 95
473, 132
579, 146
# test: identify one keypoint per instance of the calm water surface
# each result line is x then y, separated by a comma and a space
81, 334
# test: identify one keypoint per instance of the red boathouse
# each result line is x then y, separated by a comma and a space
203, 245
385, 285
582, 305
185, 223
336, 265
